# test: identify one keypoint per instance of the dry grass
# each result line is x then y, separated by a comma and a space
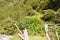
36, 37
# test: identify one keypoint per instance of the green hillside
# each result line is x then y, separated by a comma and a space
30, 14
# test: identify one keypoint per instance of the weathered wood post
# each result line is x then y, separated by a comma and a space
46, 29
47, 34
23, 35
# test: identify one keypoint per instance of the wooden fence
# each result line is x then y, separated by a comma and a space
24, 34
47, 33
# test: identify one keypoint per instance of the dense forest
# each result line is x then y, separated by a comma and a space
30, 14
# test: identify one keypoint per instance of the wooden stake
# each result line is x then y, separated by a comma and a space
25, 34
47, 34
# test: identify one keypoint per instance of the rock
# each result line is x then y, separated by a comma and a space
5, 37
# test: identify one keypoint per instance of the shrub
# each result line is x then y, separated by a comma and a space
52, 16
49, 15
6, 27
57, 17
34, 26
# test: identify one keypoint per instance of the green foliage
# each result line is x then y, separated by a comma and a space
6, 27
49, 15
52, 16
52, 32
34, 26
27, 14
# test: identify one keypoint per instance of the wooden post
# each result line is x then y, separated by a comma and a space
20, 35
46, 29
47, 34
24, 36
17, 28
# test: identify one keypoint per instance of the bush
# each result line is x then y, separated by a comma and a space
34, 26
57, 17
7, 27
49, 15
52, 16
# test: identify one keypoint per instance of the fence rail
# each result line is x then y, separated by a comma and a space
47, 33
